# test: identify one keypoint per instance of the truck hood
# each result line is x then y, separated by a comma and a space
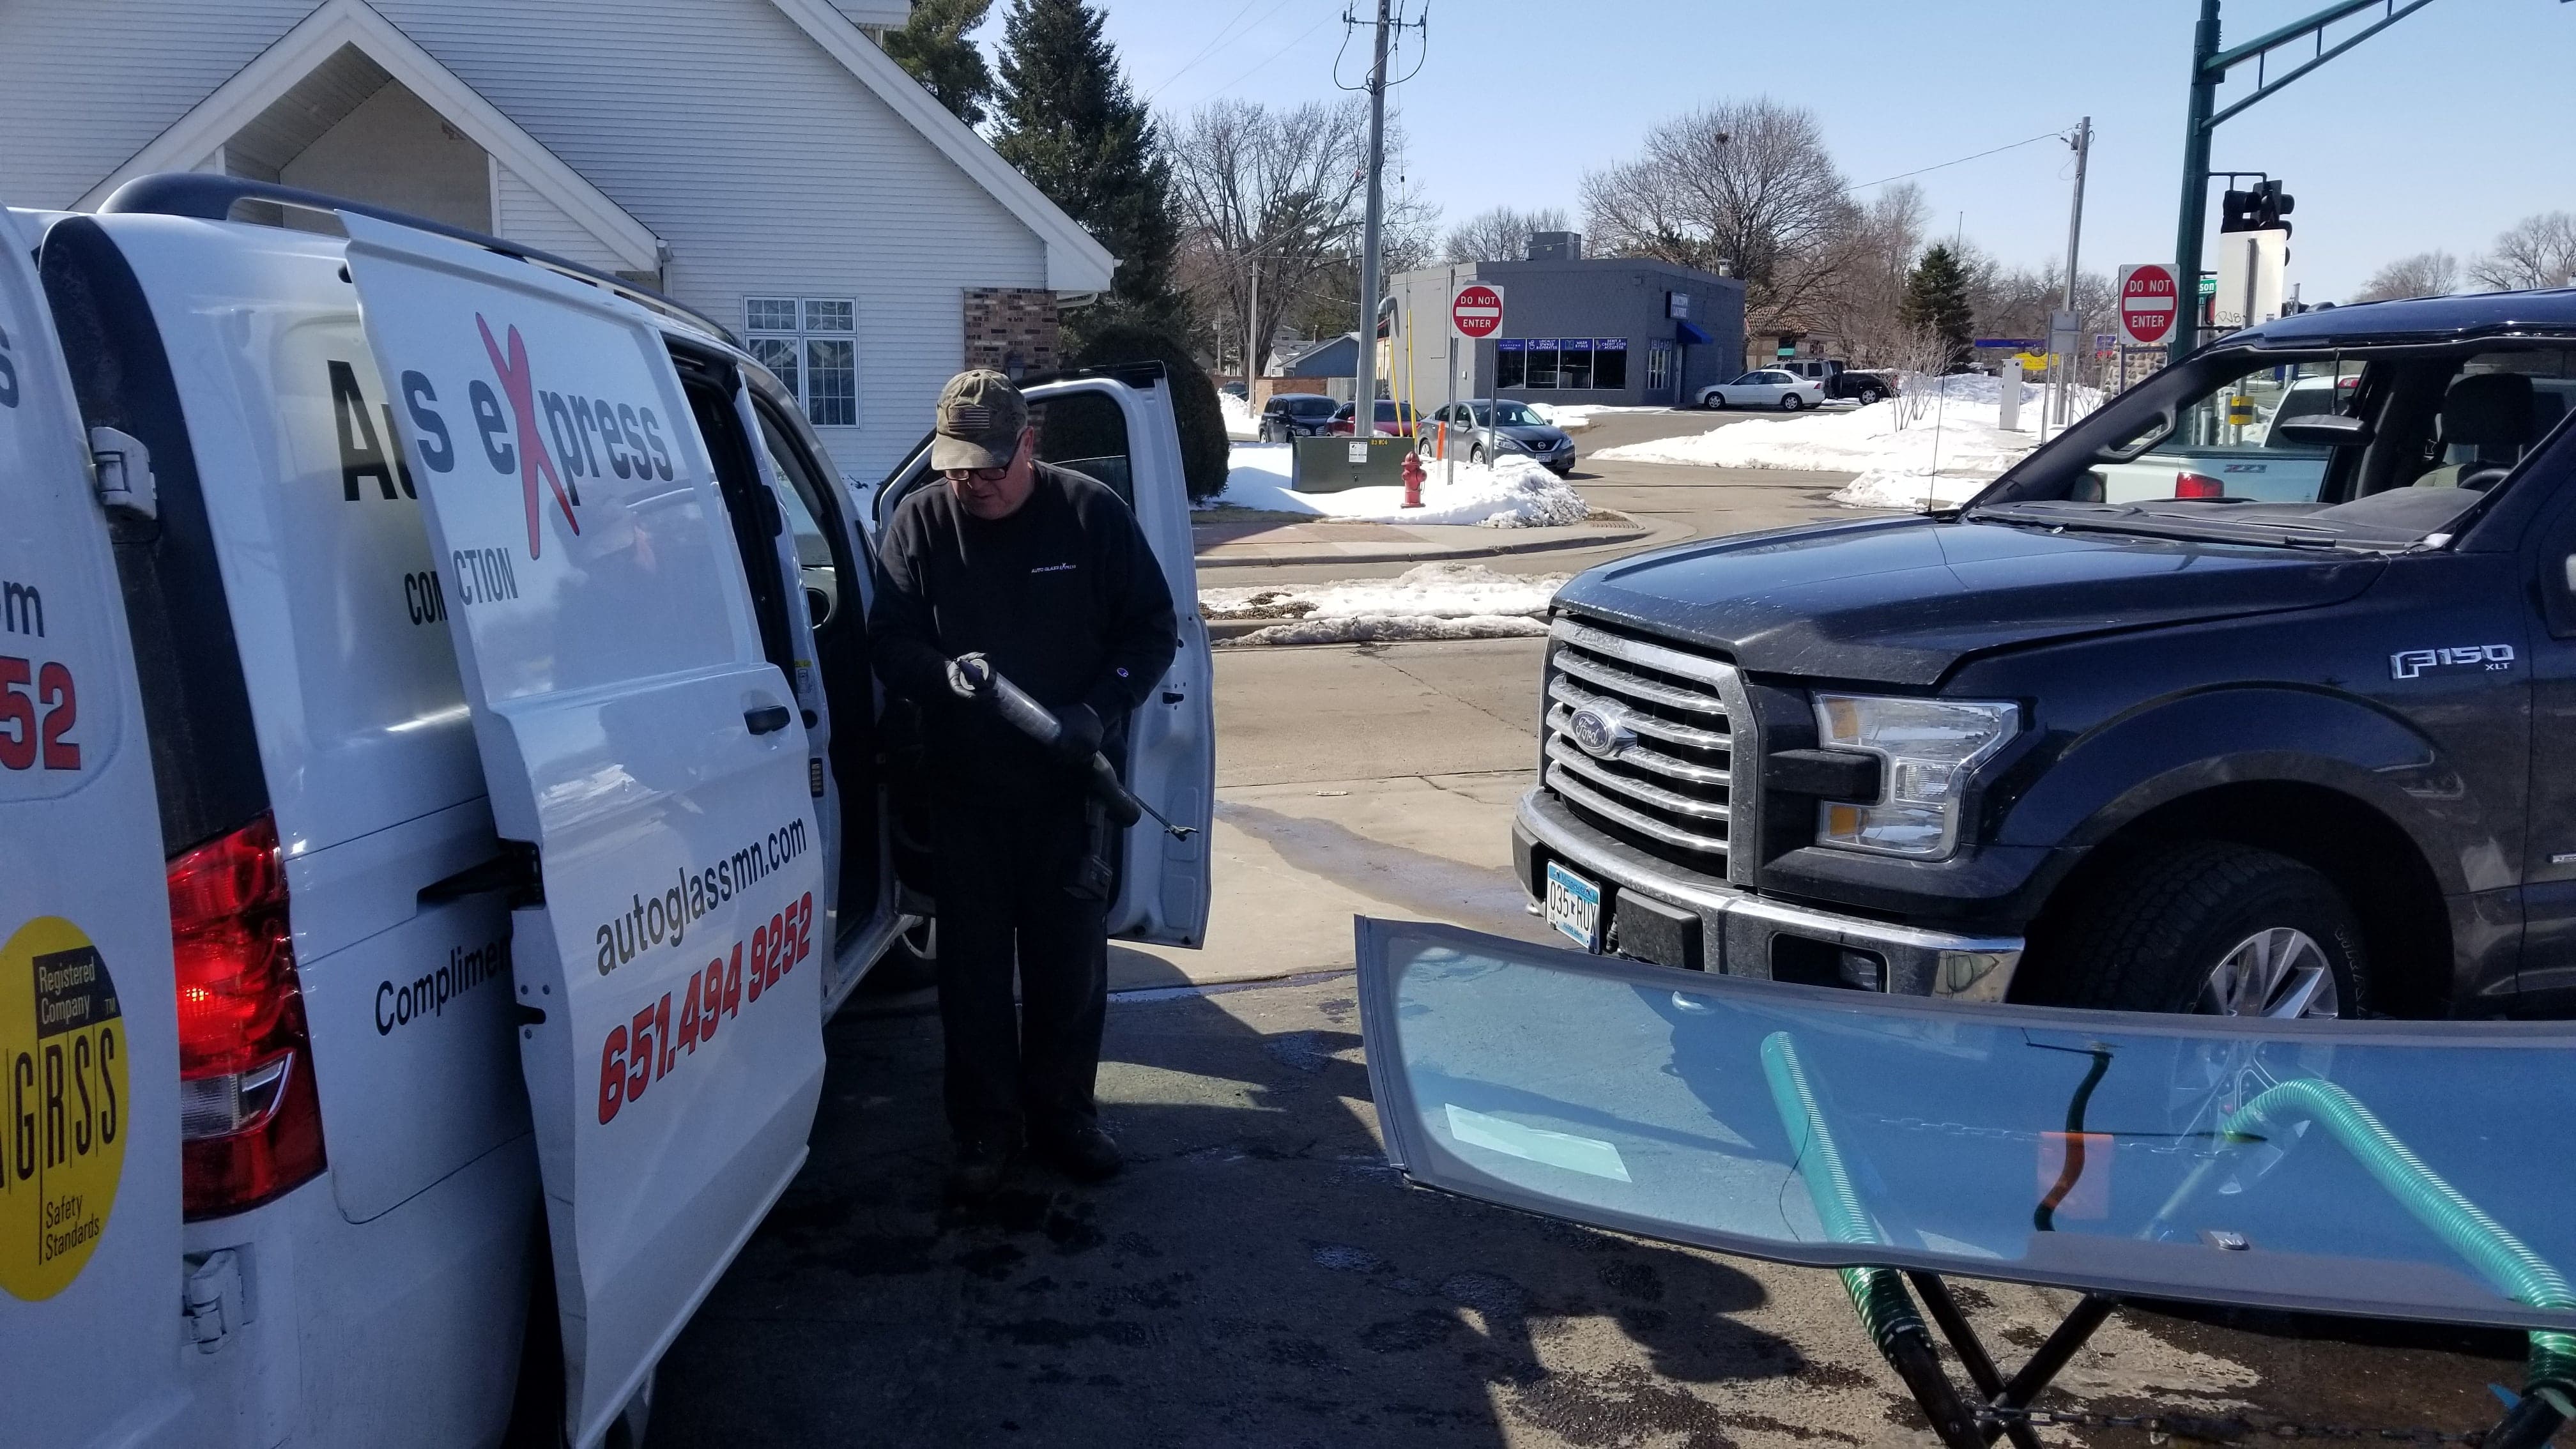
1905, 600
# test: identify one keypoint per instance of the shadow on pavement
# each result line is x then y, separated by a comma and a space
1259, 1276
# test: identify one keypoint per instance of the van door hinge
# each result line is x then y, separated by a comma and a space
124, 471
214, 1300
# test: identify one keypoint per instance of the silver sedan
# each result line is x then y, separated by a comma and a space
1765, 388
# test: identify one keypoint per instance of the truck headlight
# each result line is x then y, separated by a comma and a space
1927, 748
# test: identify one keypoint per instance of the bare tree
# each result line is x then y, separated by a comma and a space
1499, 235
1282, 193
1747, 183
2425, 274
2537, 251
1878, 253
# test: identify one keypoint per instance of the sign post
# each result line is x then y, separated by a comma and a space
1476, 313
2150, 304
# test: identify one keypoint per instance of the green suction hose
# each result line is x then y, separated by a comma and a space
1886, 1310
2505, 1261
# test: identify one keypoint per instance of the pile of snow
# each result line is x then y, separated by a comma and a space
1508, 493
1574, 417
1935, 447
1239, 421
1428, 601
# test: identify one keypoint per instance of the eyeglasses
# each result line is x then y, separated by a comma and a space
978, 475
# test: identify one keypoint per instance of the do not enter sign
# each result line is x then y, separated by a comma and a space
1477, 310
2149, 303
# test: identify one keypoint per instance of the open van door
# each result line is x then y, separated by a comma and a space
1120, 430
90, 1269
645, 762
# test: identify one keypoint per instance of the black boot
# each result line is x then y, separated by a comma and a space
978, 1170
1082, 1152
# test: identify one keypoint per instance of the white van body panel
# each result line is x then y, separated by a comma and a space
90, 1266
622, 710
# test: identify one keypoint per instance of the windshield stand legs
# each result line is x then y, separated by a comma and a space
1997, 1400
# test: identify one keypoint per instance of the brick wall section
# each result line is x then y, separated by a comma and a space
1011, 329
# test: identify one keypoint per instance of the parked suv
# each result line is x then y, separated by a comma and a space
1841, 380
1295, 415
2301, 756
434, 695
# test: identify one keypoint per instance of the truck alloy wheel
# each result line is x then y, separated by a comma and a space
2204, 926
1869, 395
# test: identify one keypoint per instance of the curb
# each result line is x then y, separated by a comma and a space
1601, 538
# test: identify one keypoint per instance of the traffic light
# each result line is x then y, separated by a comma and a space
2259, 209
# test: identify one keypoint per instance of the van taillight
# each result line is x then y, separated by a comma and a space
250, 1126
2198, 485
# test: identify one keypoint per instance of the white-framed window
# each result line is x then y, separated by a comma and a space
812, 344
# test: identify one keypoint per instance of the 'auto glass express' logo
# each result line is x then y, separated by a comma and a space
591, 437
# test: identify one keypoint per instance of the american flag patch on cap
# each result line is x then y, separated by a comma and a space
970, 418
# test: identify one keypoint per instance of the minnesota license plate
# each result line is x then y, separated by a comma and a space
1574, 906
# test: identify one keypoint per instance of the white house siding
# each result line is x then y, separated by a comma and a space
83, 86
767, 167
396, 147
528, 216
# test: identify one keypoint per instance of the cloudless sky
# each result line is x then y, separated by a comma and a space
2438, 132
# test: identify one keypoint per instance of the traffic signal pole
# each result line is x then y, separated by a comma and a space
2209, 67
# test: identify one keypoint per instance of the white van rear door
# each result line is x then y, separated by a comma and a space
1171, 739
90, 1269
635, 737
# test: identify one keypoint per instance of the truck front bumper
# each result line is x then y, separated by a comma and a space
1741, 933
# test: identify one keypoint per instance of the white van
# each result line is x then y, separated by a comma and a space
443, 798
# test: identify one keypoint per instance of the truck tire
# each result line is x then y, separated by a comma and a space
1868, 395
2214, 928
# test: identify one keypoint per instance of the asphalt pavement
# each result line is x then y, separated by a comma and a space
1260, 1277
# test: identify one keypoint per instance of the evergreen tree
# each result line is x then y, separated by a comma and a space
1936, 305
1069, 122
933, 46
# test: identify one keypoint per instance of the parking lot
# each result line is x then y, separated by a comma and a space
1260, 1277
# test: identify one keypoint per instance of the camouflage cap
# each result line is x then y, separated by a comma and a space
981, 416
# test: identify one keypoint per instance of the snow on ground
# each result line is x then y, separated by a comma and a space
1428, 601
1239, 421
1574, 417
1509, 493
1946, 448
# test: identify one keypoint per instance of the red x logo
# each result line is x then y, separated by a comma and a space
533, 457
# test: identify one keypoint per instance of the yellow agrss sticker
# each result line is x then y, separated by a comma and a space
63, 1082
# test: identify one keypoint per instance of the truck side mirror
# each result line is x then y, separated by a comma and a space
2323, 430
2570, 567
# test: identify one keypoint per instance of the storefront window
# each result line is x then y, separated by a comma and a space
1561, 362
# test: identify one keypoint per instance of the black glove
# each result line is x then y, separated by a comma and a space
970, 675
1078, 734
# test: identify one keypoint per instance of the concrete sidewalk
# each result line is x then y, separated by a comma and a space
1268, 540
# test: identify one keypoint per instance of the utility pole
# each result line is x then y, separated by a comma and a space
1364, 406
2074, 243
1252, 350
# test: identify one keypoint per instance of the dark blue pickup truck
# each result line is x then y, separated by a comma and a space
2290, 756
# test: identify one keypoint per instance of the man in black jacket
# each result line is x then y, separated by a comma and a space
1045, 574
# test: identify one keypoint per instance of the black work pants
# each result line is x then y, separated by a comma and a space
1002, 872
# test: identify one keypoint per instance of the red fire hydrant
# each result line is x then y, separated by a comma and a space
1412, 479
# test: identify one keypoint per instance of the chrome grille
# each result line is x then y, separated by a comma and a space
1662, 777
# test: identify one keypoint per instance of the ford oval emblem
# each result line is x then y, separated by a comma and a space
1601, 731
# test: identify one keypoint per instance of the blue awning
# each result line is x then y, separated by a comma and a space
1687, 331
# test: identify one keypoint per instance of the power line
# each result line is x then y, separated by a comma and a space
1961, 161
1264, 63
1214, 43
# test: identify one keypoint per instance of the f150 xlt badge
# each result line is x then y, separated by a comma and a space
2414, 663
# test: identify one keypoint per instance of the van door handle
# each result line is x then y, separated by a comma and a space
768, 719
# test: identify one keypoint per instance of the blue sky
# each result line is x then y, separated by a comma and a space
2438, 132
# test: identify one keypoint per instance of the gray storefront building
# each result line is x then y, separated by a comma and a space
1612, 330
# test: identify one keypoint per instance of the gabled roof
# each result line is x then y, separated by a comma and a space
1076, 262
314, 44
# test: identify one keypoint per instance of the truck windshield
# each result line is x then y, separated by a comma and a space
2239, 454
